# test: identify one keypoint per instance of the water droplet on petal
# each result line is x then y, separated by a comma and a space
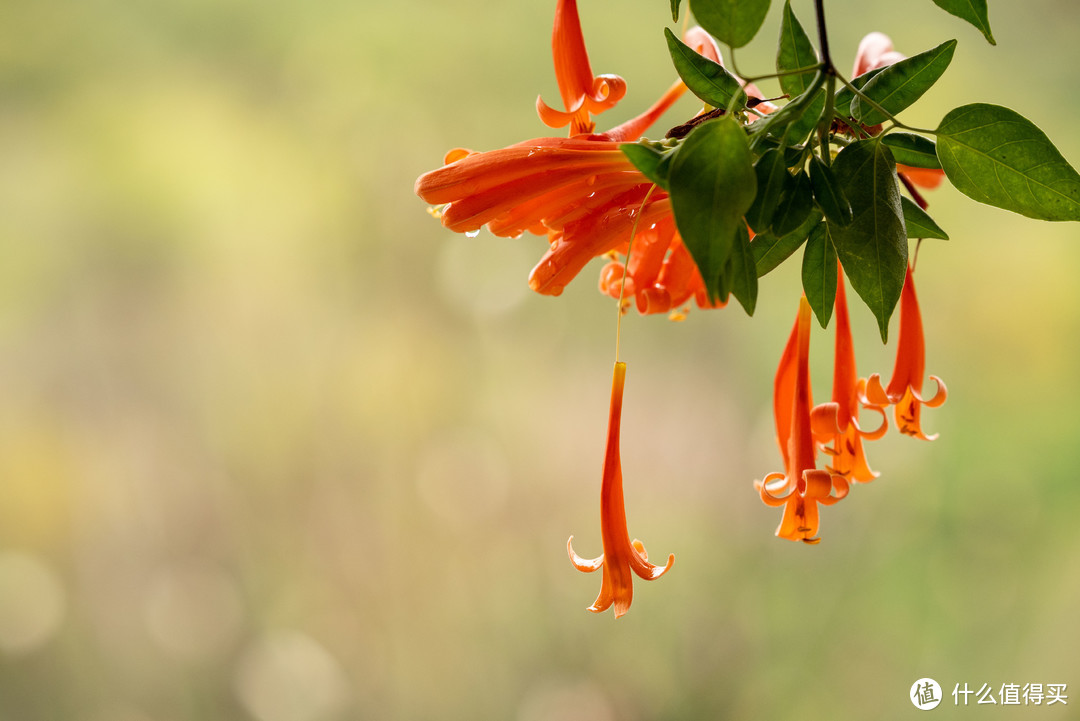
472, 233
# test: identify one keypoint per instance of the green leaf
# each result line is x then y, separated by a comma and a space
732, 22
712, 186
844, 96
705, 79
793, 53
918, 223
770, 251
899, 85
675, 10
771, 172
974, 11
914, 150
996, 156
819, 273
795, 205
743, 271
828, 194
873, 247
652, 159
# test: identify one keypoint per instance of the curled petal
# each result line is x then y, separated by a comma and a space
583, 564
875, 392
839, 490
815, 484
877, 432
825, 421
553, 118
607, 91
773, 480
639, 562
939, 396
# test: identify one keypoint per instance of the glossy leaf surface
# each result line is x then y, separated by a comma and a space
706, 79
873, 247
914, 150
996, 156
819, 273
899, 85
918, 223
732, 22
974, 11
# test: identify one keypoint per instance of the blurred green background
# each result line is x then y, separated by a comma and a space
276, 446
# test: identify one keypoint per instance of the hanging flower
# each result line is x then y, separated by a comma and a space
621, 556
801, 487
905, 388
836, 424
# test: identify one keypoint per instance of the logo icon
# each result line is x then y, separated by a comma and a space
925, 694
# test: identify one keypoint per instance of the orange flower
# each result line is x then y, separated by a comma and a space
660, 273
905, 388
838, 422
801, 487
621, 555
582, 192
581, 93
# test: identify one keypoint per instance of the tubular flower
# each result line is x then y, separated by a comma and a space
621, 555
801, 487
838, 422
905, 388
582, 93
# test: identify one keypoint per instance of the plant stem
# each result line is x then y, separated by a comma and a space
823, 36
825, 126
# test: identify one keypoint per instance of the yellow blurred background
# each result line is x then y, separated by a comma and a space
276, 446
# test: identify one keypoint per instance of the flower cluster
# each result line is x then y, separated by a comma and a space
581, 192
590, 201
802, 429
833, 428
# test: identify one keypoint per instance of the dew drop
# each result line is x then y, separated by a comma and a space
472, 233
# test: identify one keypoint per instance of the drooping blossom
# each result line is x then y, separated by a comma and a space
801, 487
836, 424
581, 191
621, 557
905, 389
